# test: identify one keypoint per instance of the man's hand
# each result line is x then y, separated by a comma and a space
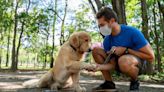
119, 50
93, 68
89, 67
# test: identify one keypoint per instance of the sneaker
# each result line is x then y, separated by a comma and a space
134, 85
106, 86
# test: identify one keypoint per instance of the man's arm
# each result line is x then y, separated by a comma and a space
145, 52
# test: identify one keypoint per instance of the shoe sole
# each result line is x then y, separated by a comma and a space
134, 91
105, 90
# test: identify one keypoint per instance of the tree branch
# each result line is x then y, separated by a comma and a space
56, 13
93, 8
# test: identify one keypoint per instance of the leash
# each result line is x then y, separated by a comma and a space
112, 50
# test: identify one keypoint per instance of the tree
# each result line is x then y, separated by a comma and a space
53, 34
5, 24
9, 24
47, 48
161, 14
92, 6
119, 8
99, 4
157, 39
145, 29
144, 19
62, 36
8, 42
30, 24
1, 51
22, 17
14, 63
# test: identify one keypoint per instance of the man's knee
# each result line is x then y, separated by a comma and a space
98, 55
95, 50
126, 63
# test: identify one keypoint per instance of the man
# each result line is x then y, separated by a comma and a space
131, 52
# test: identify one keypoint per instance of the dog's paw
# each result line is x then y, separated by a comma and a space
83, 89
80, 89
87, 66
54, 86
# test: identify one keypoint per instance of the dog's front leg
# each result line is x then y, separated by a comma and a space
76, 66
76, 85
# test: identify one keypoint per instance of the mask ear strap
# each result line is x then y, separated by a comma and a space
102, 35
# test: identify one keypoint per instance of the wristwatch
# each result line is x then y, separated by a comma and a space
126, 51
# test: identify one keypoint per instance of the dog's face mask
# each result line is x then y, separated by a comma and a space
81, 41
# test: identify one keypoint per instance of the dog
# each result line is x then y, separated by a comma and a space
67, 65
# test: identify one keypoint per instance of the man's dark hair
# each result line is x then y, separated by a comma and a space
107, 13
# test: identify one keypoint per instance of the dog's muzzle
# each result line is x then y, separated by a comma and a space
89, 50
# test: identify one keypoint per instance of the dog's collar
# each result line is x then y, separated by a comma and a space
72, 47
75, 49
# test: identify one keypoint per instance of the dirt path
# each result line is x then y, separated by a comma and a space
11, 82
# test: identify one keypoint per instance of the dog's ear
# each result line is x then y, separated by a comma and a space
74, 40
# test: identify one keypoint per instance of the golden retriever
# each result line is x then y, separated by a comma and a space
67, 65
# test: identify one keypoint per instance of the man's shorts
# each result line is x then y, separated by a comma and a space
142, 64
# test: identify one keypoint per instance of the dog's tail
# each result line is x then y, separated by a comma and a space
31, 83
44, 81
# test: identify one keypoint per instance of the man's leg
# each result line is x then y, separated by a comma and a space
128, 65
99, 56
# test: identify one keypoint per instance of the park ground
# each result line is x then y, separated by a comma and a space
12, 82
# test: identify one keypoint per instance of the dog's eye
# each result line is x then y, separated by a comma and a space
86, 40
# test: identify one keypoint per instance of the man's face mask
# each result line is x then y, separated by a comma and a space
105, 30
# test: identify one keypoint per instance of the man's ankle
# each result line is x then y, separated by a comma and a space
109, 81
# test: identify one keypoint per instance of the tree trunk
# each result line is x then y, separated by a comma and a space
161, 9
62, 39
28, 60
19, 43
14, 64
0, 60
52, 58
145, 29
157, 40
21, 63
8, 44
93, 8
36, 60
1, 38
144, 19
46, 44
53, 36
53, 43
119, 8
20, 37
45, 61
99, 4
